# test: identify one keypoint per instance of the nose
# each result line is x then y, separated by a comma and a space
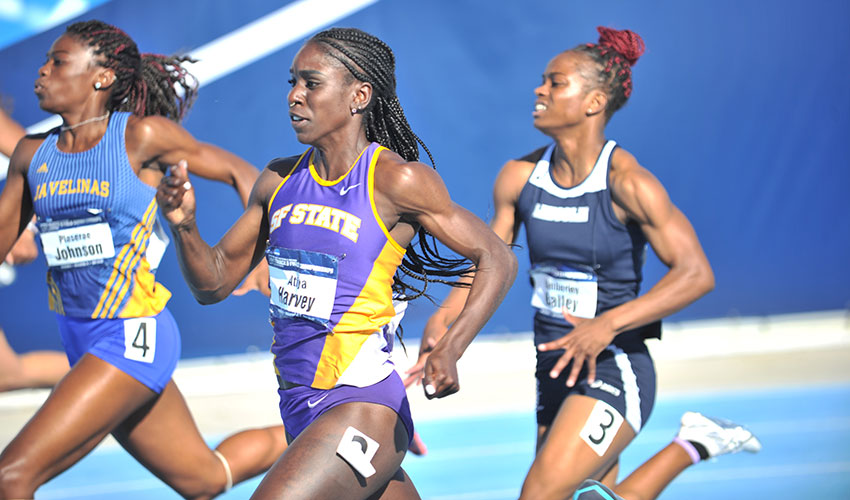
42, 71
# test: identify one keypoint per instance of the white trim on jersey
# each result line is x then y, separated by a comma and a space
595, 182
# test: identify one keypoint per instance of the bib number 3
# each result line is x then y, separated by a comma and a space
601, 427
140, 339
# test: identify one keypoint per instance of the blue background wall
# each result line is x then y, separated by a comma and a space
742, 109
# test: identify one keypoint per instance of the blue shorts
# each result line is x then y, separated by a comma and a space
625, 378
301, 405
147, 348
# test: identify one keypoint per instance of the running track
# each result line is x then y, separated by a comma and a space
805, 433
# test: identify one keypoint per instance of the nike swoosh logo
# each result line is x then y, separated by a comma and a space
347, 189
312, 404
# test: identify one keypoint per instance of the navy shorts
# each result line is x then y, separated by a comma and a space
625, 378
146, 348
301, 405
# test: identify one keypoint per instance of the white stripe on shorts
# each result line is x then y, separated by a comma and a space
631, 391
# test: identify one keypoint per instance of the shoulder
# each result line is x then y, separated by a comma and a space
633, 186
272, 175
146, 128
514, 175
25, 150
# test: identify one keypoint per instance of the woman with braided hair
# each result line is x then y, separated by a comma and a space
90, 184
335, 223
589, 209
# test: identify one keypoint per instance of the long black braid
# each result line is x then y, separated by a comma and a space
371, 60
144, 83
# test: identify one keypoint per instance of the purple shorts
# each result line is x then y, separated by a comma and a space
300, 405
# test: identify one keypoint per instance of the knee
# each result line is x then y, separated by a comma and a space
16, 480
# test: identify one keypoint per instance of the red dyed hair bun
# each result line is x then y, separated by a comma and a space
626, 42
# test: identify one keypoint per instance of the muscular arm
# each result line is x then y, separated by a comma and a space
418, 192
504, 223
213, 272
157, 140
643, 199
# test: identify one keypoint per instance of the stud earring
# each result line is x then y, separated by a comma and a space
353, 111
97, 85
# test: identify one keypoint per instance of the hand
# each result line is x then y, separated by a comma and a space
440, 378
24, 250
175, 195
258, 280
582, 345
415, 372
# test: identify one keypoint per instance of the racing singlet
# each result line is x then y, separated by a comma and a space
582, 257
95, 219
331, 266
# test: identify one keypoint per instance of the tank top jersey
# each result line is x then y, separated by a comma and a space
576, 228
95, 219
331, 262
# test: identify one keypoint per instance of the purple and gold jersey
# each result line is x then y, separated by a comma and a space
95, 218
331, 266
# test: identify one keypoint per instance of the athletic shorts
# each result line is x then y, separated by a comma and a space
146, 348
301, 405
625, 379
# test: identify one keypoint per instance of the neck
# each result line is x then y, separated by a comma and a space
332, 161
575, 155
63, 128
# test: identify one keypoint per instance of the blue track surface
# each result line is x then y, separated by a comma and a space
805, 433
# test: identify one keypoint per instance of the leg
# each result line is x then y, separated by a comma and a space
699, 438
163, 437
311, 467
84, 407
33, 369
566, 458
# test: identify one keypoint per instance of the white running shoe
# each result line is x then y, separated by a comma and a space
718, 436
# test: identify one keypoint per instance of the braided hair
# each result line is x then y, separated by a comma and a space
370, 60
144, 83
613, 56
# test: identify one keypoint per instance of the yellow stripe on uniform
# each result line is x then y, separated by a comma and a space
140, 243
372, 309
116, 278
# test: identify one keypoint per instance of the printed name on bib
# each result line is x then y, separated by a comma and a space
76, 243
303, 284
558, 289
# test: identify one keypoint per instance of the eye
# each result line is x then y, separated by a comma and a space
291, 82
311, 84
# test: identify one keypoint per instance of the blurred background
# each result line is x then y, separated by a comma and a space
739, 108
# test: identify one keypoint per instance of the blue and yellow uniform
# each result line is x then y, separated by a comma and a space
587, 261
95, 218
331, 263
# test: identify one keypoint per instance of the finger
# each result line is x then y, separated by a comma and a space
573, 320
577, 364
562, 362
184, 166
591, 370
552, 346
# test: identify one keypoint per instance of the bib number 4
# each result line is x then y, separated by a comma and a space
140, 339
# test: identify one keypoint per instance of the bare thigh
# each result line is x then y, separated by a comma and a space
311, 468
163, 437
565, 458
86, 405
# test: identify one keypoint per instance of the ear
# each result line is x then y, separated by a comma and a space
362, 97
105, 77
596, 102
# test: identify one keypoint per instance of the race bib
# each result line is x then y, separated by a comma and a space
303, 284
564, 288
76, 242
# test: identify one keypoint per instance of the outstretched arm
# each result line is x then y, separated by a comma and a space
213, 272
418, 192
157, 140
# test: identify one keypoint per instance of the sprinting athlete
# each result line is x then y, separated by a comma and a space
90, 184
336, 225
